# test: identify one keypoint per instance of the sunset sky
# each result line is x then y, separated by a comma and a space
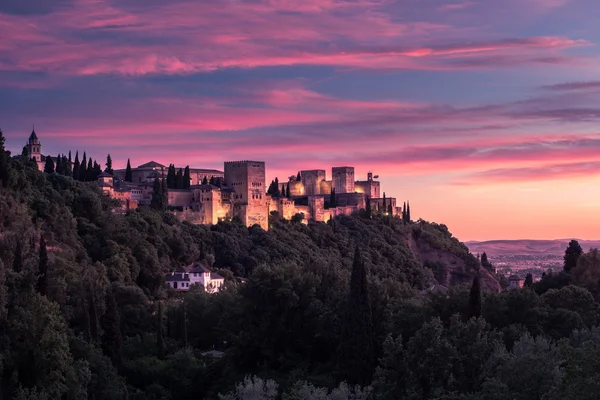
483, 113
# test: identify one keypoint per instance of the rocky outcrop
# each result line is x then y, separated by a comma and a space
450, 269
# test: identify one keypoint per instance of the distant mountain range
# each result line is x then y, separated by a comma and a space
527, 247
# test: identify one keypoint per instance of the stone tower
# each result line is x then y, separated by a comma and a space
343, 179
34, 147
247, 179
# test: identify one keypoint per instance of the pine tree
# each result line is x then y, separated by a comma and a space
528, 280
76, 166
42, 285
112, 339
179, 179
355, 352
49, 167
171, 177
572, 254
186, 177
160, 340
128, 173
109, 168
83, 168
475, 299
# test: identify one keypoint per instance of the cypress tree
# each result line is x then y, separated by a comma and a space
59, 168
109, 168
299, 177
128, 173
179, 179
171, 177
404, 212
186, 177
160, 341
4, 162
112, 339
408, 219
76, 166
390, 208
355, 353
90, 174
282, 190
69, 166
97, 171
164, 192
205, 181
287, 191
83, 168
368, 206
384, 203
475, 299
276, 192
211, 181
332, 199
42, 285
69, 156
49, 167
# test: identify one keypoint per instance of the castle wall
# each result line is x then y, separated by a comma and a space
343, 179
312, 181
180, 198
326, 187
357, 200
296, 188
316, 206
370, 188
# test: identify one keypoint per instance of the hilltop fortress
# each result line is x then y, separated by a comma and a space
240, 191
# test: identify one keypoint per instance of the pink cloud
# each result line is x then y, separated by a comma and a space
177, 39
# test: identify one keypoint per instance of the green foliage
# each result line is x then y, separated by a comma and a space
475, 299
572, 254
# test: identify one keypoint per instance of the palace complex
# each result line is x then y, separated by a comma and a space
241, 191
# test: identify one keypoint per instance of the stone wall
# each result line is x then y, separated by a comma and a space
371, 188
316, 206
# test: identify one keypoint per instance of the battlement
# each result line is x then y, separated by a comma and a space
245, 162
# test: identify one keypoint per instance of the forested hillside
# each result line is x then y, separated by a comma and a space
308, 312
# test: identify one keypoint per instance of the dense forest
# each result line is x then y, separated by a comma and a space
342, 310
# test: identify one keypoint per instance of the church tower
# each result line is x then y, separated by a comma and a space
34, 147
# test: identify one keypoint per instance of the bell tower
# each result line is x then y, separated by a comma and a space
34, 147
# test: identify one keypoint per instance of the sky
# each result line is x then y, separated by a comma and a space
484, 114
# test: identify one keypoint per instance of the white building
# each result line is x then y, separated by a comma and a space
194, 274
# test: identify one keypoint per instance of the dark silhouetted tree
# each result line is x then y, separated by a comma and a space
112, 338
60, 165
355, 352
368, 208
528, 280
109, 168
408, 218
404, 212
92, 167
76, 166
298, 177
287, 190
49, 166
160, 340
485, 262
42, 284
171, 177
93, 315
179, 179
205, 181
212, 180
186, 177
4, 162
159, 195
390, 208
128, 172
572, 254
475, 299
